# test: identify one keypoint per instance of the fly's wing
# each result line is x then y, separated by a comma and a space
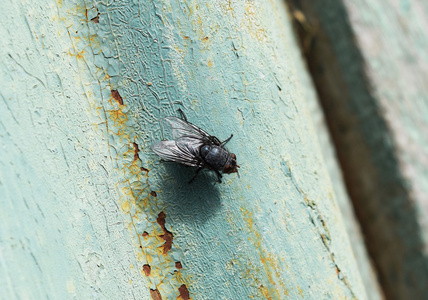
182, 129
190, 144
169, 150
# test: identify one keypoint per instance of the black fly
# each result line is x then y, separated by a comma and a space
192, 146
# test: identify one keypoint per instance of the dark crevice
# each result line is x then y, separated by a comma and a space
144, 170
96, 19
136, 150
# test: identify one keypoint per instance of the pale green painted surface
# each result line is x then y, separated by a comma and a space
353, 228
62, 234
89, 224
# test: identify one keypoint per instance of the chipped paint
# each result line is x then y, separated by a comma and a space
149, 233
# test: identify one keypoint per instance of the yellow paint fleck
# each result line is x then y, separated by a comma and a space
300, 291
265, 292
80, 54
125, 206
268, 260
252, 23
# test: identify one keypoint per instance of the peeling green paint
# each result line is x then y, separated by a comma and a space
227, 65
183, 54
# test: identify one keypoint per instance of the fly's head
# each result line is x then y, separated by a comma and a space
231, 166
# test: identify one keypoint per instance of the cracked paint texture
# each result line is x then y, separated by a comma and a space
85, 86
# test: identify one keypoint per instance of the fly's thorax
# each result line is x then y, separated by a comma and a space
215, 156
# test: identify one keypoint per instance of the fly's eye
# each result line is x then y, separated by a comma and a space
233, 156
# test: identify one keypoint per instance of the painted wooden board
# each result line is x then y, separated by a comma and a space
370, 66
353, 227
63, 234
88, 211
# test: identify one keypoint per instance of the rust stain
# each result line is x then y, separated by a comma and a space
95, 19
252, 23
300, 291
93, 39
116, 96
80, 54
119, 119
268, 261
144, 170
125, 206
136, 150
201, 30
147, 269
153, 245
265, 292
167, 236
184, 293
155, 295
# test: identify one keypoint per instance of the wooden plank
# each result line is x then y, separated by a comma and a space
353, 227
92, 213
369, 63
62, 234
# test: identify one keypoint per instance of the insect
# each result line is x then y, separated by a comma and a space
192, 146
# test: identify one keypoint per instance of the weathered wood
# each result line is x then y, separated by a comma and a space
90, 212
353, 228
369, 63
62, 233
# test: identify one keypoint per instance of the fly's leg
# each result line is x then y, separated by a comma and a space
183, 116
196, 174
218, 176
225, 142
